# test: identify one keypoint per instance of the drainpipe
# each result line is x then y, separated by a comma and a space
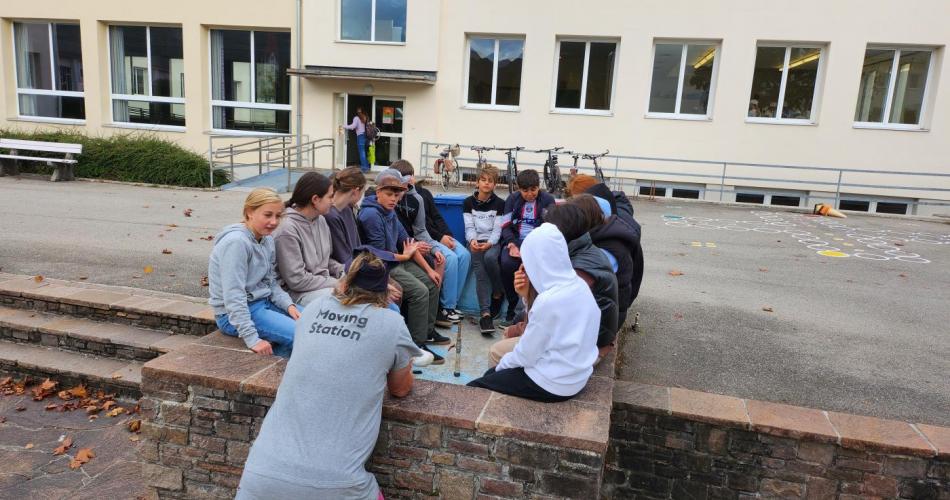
299, 34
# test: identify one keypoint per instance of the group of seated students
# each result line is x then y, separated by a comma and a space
361, 285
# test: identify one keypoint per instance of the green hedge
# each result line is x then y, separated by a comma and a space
137, 157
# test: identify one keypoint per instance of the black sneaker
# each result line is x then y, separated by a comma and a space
495, 308
454, 315
442, 319
437, 339
487, 326
436, 359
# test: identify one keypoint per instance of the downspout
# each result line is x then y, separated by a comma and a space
299, 34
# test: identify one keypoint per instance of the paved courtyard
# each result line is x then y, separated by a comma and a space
757, 312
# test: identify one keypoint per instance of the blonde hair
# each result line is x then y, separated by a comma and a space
349, 295
260, 197
490, 171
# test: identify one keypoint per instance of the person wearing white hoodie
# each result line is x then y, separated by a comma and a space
555, 356
306, 269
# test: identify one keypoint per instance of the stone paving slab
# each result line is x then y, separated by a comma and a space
54, 361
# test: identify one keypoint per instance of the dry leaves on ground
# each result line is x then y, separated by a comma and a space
187, 212
763, 269
135, 425
47, 388
166, 251
768, 309
65, 445
204, 281
38, 278
82, 456
207, 238
148, 270
676, 273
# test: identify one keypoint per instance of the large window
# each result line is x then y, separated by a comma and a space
784, 84
494, 72
585, 76
373, 20
148, 75
683, 79
250, 88
49, 70
893, 85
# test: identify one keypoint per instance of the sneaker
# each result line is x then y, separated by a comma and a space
487, 326
495, 308
454, 315
442, 319
437, 339
436, 359
424, 359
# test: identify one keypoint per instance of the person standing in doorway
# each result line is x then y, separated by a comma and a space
358, 125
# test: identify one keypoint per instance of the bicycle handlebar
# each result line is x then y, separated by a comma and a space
594, 156
549, 150
482, 148
514, 148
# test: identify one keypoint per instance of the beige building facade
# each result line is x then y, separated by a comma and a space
855, 89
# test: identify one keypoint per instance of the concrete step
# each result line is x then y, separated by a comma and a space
87, 336
137, 307
71, 368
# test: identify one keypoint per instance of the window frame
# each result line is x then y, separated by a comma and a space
895, 63
372, 26
494, 88
53, 92
582, 110
135, 97
676, 115
817, 93
253, 93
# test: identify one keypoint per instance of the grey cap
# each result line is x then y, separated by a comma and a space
390, 178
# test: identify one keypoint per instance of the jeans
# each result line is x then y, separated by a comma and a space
421, 298
457, 263
361, 146
508, 266
487, 276
273, 325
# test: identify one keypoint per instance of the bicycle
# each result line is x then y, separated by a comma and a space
447, 167
597, 170
552, 174
512, 167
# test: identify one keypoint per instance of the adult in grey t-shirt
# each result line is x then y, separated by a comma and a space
324, 423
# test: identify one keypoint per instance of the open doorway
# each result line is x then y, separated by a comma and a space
387, 114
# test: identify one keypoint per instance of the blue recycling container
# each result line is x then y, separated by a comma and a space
450, 206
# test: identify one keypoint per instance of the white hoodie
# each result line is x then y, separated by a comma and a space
559, 344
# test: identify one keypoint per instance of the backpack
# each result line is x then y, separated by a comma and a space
372, 132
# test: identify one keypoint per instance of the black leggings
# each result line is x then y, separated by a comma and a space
515, 382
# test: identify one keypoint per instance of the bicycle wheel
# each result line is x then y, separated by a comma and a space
444, 178
456, 175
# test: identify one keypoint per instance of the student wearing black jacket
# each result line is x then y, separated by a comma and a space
457, 258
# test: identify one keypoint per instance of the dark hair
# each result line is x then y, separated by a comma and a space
362, 115
528, 179
348, 179
591, 209
403, 166
569, 219
309, 185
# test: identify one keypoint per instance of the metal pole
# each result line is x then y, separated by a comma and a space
422, 159
260, 158
616, 168
333, 153
210, 162
838, 189
299, 35
231, 156
722, 181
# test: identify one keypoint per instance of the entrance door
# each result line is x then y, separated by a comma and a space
352, 103
387, 115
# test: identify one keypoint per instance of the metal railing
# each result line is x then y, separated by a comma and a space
621, 168
301, 151
251, 152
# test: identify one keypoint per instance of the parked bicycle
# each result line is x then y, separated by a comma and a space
553, 183
511, 171
597, 170
446, 166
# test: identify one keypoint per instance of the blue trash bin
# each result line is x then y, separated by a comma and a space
450, 206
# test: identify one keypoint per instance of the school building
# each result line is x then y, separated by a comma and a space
757, 102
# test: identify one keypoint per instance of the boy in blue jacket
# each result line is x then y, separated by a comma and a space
524, 211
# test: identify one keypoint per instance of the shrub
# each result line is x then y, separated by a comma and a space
137, 157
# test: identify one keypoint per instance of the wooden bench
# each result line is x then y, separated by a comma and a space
9, 163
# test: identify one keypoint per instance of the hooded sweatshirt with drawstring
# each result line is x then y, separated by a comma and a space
242, 270
303, 254
559, 345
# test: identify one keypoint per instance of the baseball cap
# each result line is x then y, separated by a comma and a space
390, 178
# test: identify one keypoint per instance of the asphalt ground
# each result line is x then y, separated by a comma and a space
866, 332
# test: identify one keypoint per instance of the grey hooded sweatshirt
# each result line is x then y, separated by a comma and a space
303, 254
241, 270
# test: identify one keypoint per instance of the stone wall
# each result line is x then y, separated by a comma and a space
202, 409
675, 443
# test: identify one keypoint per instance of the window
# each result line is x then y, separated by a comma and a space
49, 70
373, 20
786, 201
494, 72
893, 85
854, 205
585, 76
148, 75
890, 207
250, 88
750, 198
784, 83
682, 79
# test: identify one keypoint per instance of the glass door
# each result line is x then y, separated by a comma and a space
388, 117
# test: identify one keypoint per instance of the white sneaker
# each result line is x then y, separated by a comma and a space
425, 359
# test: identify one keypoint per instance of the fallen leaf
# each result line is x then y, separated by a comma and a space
108, 404
148, 269
28, 446
135, 425
204, 281
43, 390
78, 392
676, 273
187, 212
145, 206
190, 240
768, 309
38, 278
116, 376
134, 439
898, 244
902, 275
116, 412
763, 269
83, 278
93, 417
51, 406
172, 225
65, 445
82, 456
166, 251
6, 381
3, 420
92, 409
207, 238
